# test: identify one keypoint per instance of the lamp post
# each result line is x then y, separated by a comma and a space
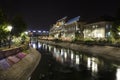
10, 29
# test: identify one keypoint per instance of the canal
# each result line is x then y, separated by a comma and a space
58, 63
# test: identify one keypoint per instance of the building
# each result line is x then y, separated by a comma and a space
99, 28
73, 29
57, 29
76, 29
66, 30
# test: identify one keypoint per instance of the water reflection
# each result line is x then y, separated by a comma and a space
82, 63
92, 64
118, 74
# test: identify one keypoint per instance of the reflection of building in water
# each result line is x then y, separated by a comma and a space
77, 59
34, 45
72, 55
50, 48
89, 63
39, 45
118, 74
92, 65
62, 52
65, 55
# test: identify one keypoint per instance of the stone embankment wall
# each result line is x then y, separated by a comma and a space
107, 52
12, 51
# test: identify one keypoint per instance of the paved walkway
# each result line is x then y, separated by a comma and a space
22, 69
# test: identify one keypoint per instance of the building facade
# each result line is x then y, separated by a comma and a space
57, 29
66, 30
78, 29
98, 30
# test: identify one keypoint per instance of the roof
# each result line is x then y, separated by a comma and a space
62, 18
73, 20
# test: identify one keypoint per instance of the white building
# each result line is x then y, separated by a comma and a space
100, 29
77, 29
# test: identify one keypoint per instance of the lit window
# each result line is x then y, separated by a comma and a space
93, 26
106, 26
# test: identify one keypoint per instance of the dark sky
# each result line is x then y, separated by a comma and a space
43, 13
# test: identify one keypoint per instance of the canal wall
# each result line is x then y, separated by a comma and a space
24, 68
106, 52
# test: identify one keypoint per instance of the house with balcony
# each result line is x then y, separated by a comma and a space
56, 30
73, 29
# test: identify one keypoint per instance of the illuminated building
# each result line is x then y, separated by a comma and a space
57, 28
66, 30
100, 29
75, 28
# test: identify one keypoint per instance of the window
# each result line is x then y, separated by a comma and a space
106, 26
93, 26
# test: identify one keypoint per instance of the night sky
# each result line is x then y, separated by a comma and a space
43, 13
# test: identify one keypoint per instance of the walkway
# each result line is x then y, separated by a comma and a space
19, 66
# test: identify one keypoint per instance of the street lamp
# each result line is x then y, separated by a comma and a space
26, 32
9, 29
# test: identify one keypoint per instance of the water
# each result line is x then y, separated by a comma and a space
65, 64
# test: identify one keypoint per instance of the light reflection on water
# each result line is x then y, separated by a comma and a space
118, 74
75, 59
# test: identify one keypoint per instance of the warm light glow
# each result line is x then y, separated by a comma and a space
94, 65
39, 45
65, 55
34, 45
62, 51
89, 63
26, 32
9, 28
119, 33
77, 59
118, 74
54, 50
50, 48
71, 56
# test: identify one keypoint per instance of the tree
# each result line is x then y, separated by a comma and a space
19, 26
3, 26
116, 26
